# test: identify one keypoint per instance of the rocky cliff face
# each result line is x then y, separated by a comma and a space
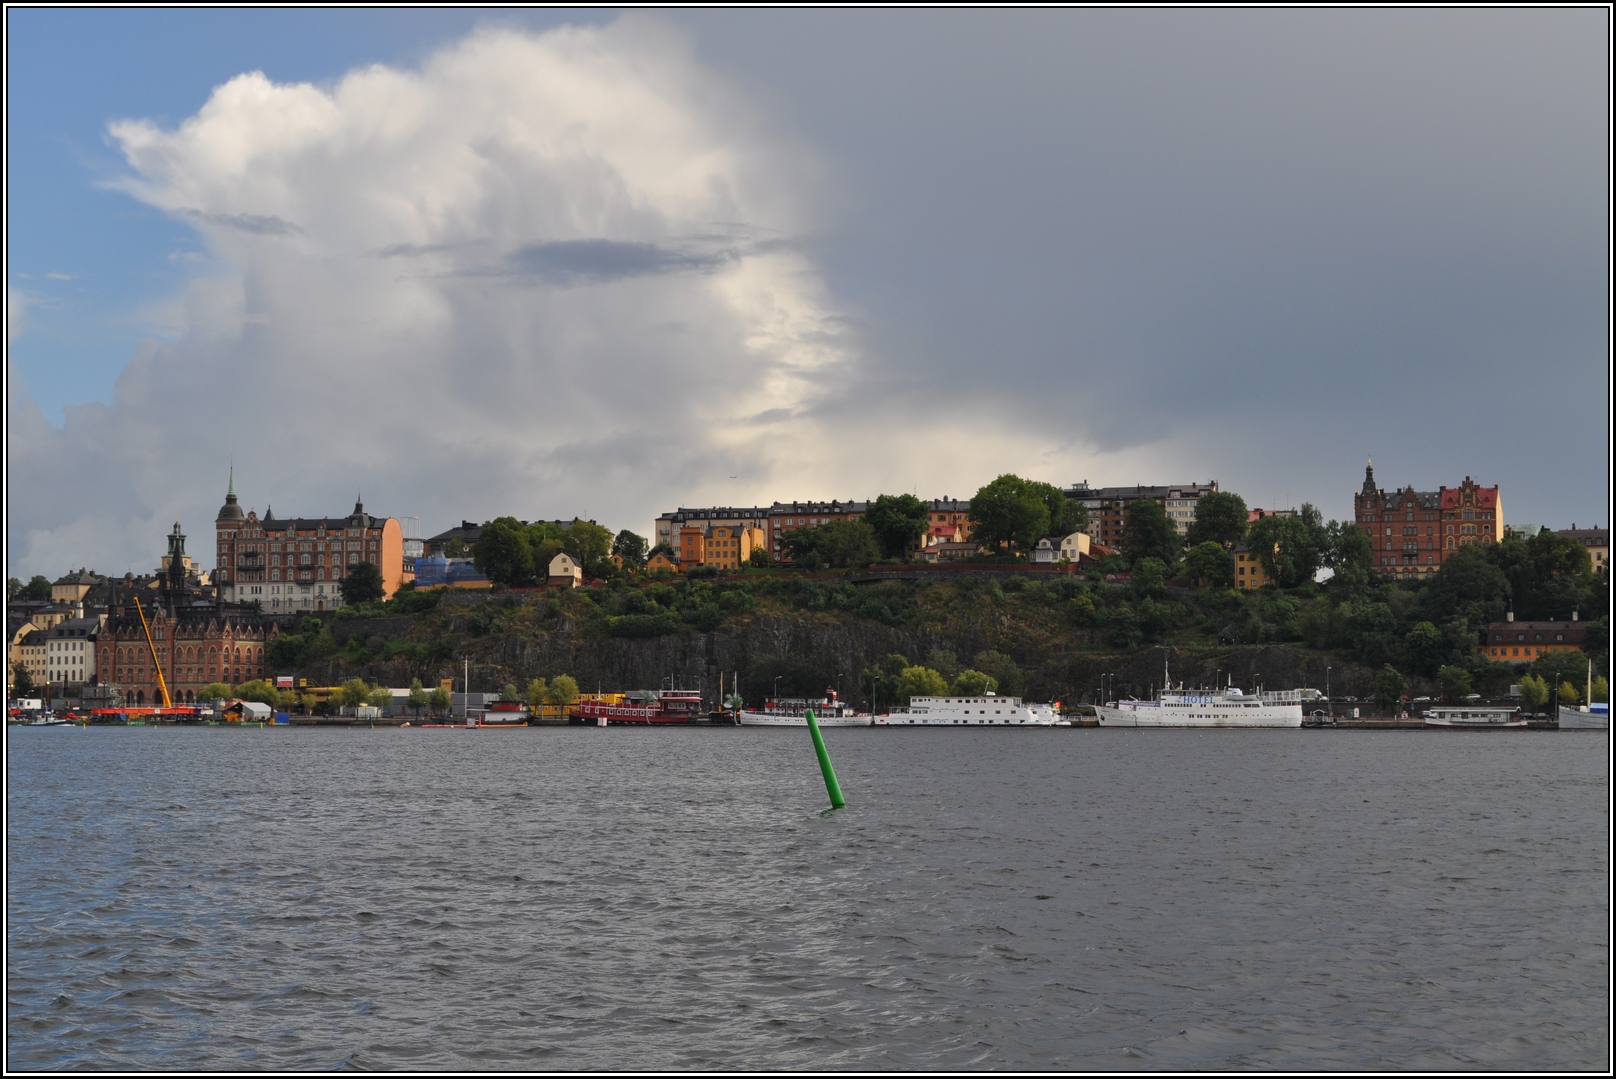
840, 647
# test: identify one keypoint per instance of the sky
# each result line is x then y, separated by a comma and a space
556, 263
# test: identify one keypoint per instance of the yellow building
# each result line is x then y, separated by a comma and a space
1523, 642
727, 547
1248, 569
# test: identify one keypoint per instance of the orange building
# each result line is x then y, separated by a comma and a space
1522, 642
723, 546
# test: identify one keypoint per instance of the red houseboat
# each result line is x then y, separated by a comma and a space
651, 706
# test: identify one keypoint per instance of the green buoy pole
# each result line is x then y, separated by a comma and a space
832, 788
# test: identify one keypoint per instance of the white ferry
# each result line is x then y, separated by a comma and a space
1470, 718
791, 712
1230, 708
986, 711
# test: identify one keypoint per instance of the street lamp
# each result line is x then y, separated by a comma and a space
1328, 703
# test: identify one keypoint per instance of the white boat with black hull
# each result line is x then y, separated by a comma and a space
986, 711
1230, 708
1471, 718
792, 712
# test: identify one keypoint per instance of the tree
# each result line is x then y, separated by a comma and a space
759, 556
1220, 517
1348, 553
454, 547
1569, 694
213, 691
899, 523
1426, 647
508, 694
362, 585
505, 554
588, 543
1009, 511
351, 694
22, 682
1389, 684
630, 546
1148, 575
1600, 691
1289, 548
1455, 682
537, 690
1149, 533
1209, 564
37, 588
379, 697
260, 690
1534, 693
969, 683
662, 549
1002, 669
440, 699
839, 543
1066, 515
921, 682
418, 697
562, 692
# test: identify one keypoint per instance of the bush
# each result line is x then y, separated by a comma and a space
642, 625
973, 684
706, 618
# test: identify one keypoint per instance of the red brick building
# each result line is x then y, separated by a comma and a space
1413, 532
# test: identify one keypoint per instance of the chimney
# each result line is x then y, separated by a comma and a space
1510, 617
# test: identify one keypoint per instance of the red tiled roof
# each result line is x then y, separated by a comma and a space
1486, 497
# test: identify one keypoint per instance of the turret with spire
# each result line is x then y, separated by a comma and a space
1369, 488
231, 510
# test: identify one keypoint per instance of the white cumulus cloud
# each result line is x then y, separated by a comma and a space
540, 275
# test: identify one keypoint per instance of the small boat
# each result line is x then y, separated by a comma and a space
1473, 718
1590, 717
793, 712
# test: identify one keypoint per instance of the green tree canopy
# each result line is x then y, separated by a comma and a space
1534, 693
562, 692
504, 553
899, 522
362, 585
508, 694
1209, 564
969, 683
22, 682
1010, 511
213, 691
1220, 517
37, 588
418, 697
1455, 682
259, 690
630, 546
1426, 647
1289, 548
921, 682
839, 543
1389, 684
587, 542
1003, 670
1150, 533
440, 699
1066, 515
537, 691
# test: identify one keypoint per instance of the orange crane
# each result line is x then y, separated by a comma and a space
162, 686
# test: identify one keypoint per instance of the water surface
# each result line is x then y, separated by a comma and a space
585, 898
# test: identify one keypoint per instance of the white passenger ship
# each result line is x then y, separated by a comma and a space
1471, 718
792, 712
1230, 708
987, 711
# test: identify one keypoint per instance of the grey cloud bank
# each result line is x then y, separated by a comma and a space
1121, 246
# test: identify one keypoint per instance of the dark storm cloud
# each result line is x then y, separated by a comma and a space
605, 260
1279, 240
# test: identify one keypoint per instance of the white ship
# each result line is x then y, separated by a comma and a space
791, 712
1230, 708
987, 711
1590, 717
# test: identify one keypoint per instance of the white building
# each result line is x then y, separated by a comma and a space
565, 571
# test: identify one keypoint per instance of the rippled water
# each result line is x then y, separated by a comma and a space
585, 898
